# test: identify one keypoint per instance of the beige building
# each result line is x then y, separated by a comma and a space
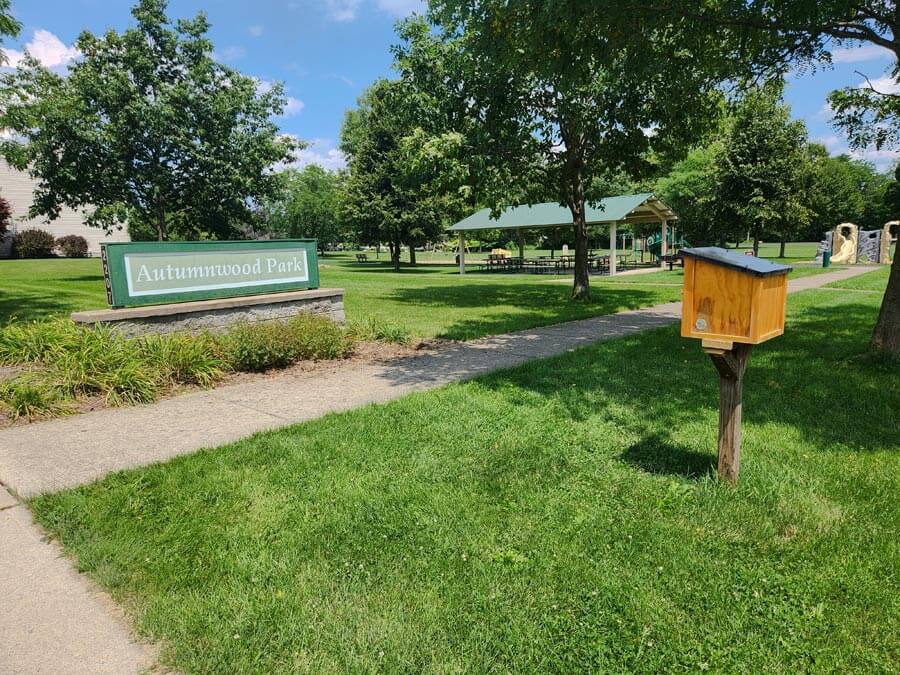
18, 187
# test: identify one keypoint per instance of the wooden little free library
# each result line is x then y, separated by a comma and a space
731, 302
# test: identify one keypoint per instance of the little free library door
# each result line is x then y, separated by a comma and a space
731, 297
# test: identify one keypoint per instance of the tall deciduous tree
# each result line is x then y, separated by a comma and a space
584, 100
146, 126
769, 34
403, 185
9, 27
762, 167
308, 207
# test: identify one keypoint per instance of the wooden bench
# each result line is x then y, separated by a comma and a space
362, 257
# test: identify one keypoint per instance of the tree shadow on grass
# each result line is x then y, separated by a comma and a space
658, 455
32, 306
816, 378
535, 305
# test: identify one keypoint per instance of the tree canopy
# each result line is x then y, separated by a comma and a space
558, 103
146, 127
9, 27
309, 206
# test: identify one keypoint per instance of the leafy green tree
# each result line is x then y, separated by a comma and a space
9, 27
762, 167
558, 103
773, 34
397, 189
691, 189
308, 207
146, 127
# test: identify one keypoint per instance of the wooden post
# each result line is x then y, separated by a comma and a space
521, 239
612, 248
663, 244
730, 361
462, 253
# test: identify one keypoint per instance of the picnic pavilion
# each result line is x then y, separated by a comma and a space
626, 209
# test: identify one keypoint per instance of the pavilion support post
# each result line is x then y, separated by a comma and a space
664, 244
612, 248
730, 361
462, 253
521, 239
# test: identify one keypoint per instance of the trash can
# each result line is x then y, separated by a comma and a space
826, 259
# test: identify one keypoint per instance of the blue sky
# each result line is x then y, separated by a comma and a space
327, 51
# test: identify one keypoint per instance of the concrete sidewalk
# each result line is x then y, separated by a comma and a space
53, 620
66, 452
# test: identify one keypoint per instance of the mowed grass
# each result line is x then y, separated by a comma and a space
428, 301
558, 517
875, 280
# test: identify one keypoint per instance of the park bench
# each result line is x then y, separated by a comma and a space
362, 257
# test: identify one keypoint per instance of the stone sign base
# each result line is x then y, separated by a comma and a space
217, 315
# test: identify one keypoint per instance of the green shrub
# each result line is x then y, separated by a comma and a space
73, 246
185, 359
5, 216
36, 341
261, 346
29, 397
34, 244
378, 330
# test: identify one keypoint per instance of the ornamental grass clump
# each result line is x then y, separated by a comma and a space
375, 329
262, 346
67, 362
31, 398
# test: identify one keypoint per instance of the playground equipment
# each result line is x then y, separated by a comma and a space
849, 245
844, 243
654, 242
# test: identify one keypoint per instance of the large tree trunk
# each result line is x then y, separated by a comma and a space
160, 222
396, 247
886, 337
781, 252
412, 254
582, 288
755, 245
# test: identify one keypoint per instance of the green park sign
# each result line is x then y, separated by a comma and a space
149, 273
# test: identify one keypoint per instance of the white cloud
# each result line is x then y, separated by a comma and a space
832, 143
46, 48
255, 31
342, 10
883, 85
860, 53
402, 8
293, 106
882, 159
230, 53
320, 151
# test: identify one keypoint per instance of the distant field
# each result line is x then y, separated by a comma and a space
430, 301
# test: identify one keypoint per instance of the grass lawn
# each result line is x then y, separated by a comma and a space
558, 517
429, 301
872, 281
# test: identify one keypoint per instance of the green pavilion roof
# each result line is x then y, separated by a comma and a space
640, 208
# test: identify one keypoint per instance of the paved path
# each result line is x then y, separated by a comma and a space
52, 620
